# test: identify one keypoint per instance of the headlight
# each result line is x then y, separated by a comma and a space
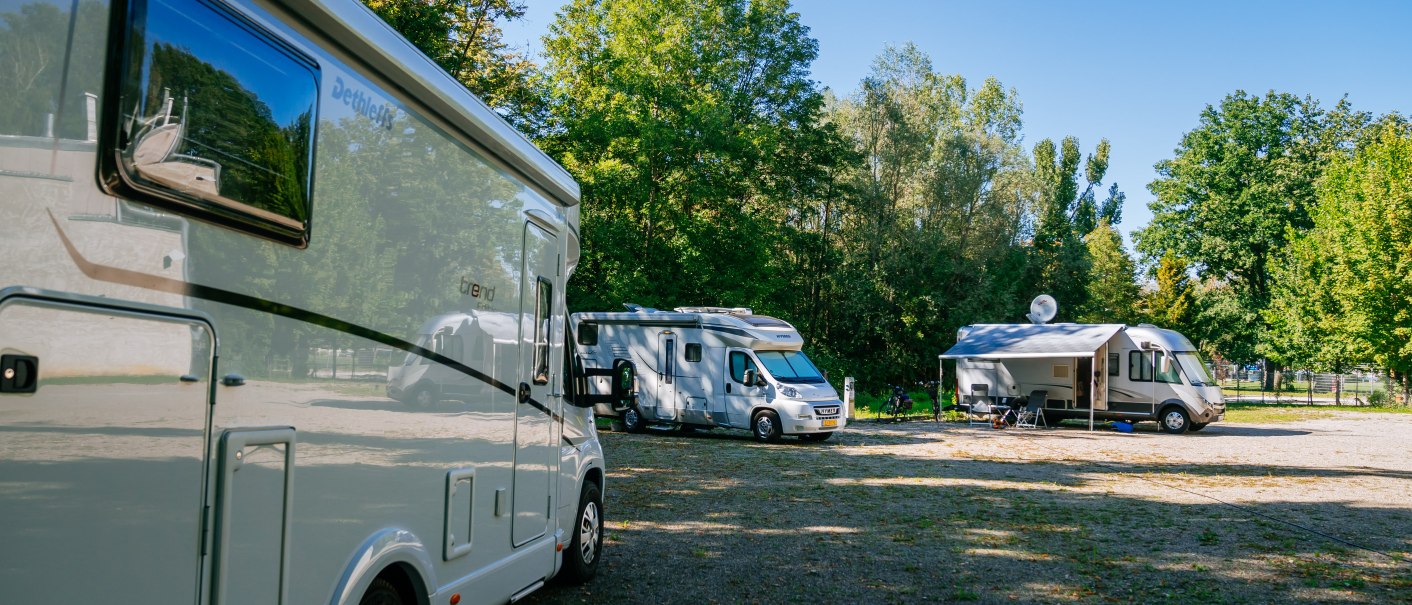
789, 392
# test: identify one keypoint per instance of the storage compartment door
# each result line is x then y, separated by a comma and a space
103, 418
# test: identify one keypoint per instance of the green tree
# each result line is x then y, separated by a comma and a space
1237, 185
1342, 298
1112, 289
1171, 303
465, 39
1059, 263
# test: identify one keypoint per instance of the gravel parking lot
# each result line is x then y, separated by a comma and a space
1315, 510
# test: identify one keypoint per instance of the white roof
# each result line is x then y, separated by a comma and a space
1029, 341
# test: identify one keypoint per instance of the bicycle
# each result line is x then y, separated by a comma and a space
897, 405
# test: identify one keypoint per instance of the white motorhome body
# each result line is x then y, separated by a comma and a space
224, 221
1088, 371
712, 367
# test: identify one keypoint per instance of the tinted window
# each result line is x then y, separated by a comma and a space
216, 116
790, 366
1114, 364
693, 351
1139, 366
544, 293
1173, 373
588, 334
670, 367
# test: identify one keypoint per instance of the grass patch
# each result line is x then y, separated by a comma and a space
1265, 413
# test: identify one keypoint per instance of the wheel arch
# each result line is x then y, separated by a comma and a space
395, 554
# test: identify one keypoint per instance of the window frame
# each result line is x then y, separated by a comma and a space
543, 318
1144, 371
123, 84
692, 352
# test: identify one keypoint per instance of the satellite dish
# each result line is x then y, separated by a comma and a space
1042, 309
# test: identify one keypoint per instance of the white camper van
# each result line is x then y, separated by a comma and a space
1088, 371
707, 367
223, 221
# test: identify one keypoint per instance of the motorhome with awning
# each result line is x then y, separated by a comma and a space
1088, 371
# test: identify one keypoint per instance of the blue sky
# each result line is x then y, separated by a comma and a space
1137, 73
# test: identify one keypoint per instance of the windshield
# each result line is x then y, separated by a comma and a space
789, 366
1194, 369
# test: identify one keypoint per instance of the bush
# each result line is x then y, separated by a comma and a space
1379, 399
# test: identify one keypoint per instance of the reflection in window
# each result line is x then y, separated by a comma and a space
1139, 366
1172, 375
1113, 367
544, 292
740, 362
693, 351
588, 334
219, 115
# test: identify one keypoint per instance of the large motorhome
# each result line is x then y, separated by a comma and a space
1088, 371
224, 221
709, 367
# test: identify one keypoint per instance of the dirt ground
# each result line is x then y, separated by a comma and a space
1314, 511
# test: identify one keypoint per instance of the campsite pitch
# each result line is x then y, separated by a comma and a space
1314, 510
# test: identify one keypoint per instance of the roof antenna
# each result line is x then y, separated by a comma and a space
1042, 309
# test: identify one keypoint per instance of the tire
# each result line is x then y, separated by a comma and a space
1196, 426
766, 426
1174, 420
815, 436
586, 547
381, 592
422, 398
632, 420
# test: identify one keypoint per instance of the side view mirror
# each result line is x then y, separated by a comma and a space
1166, 364
624, 384
749, 378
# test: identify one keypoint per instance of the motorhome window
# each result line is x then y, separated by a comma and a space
693, 351
740, 362
1172, 375
1139, 366
1114, 364
215, 117
1194, 368
790, 366
543, 294
670, 367
588, 334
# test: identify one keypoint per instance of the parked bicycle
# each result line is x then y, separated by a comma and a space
897, 405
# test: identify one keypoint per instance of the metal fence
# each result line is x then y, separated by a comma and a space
1247, 383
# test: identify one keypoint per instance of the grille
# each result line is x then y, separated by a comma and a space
826, 410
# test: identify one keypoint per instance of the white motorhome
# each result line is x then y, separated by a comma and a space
708, 367
224, 221
1088, 371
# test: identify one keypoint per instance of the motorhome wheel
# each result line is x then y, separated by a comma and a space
767, 426
632, 420
424, 397
582, 556
1175, 420
381, 592
1196, 426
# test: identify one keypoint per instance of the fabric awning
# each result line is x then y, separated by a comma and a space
1029, 341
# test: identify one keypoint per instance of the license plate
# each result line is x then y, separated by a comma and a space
829, 423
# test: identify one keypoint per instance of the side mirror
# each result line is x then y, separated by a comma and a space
624, 383
749, 378
1166, 364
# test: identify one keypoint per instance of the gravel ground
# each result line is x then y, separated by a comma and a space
1309, 511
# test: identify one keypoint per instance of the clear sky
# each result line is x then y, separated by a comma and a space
1137, 73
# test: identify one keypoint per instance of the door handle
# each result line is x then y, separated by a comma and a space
524, 394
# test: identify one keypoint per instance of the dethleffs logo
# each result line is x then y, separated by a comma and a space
366, 105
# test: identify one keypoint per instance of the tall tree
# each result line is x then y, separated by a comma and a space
679, 120
1059, 263
1344, 293
1112, 288
1238, 183
465, 39
1170, 304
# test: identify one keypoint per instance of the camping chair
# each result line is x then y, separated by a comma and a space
1032, 416
979, 404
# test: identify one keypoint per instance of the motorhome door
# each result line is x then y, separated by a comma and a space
535, 449
667, 371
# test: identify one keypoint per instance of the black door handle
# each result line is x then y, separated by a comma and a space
524, 394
